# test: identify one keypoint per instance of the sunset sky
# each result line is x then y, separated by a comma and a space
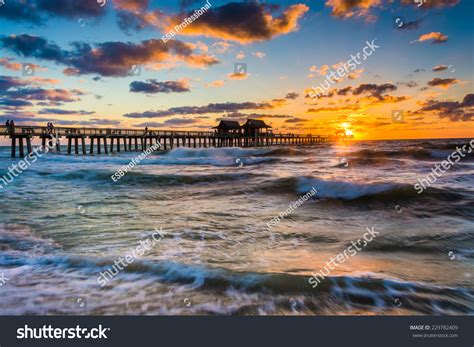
83, 53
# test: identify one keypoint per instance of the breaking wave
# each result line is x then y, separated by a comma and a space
365, 291
343, 190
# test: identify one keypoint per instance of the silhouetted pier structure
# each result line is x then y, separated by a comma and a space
110, 140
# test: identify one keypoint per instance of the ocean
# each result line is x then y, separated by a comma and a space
64, 221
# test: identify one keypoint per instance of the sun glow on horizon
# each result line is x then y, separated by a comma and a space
346, 127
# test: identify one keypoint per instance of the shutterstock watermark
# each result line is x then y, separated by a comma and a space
442, 167
344, 69
187, 21
48, 332
122, 262
14, 170
350, 251
134, 162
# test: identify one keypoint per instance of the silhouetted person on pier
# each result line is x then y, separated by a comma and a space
146, 130
7, 124
12, 127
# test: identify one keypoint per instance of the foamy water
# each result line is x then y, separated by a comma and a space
64, 221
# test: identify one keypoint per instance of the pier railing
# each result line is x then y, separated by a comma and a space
35, 130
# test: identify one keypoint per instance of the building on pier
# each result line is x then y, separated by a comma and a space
228, 127
255, 128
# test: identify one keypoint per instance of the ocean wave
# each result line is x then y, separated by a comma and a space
343, 190
440, 244
22, 251
233, 156
223, 156
367, 291
417, 152
21, 240
143, 178
363, 162
363, 291
445, 145
284, 152
327, 189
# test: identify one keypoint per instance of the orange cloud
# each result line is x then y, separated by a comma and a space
41, 80
113, 59
237, 76
453, 110
260, 55
355, 74
131, 5
351, 8
201, 46
437, 37
334, 109
385, 99
7, 63
201, 61
322, 71
278, 102
444, 83
240, 55
221, 46
10, 65
215, 84
244, 22
439, 68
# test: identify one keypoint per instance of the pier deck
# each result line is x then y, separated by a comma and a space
138, 139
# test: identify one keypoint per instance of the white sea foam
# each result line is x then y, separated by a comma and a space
328, 189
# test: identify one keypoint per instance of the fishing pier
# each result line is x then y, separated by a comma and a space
83, 140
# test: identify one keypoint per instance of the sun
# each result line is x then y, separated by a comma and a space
347, 131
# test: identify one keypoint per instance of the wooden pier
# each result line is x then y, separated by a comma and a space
108, 140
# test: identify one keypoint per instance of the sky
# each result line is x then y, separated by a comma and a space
131, 64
